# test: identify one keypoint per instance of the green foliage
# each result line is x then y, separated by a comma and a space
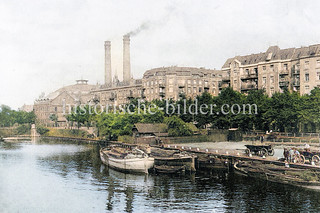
282, 112
54, 117
23, 129
81, 115
42, 130
177, 127
112, 125
9, 117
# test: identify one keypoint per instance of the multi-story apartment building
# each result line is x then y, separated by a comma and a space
297, 69
173, 82
119, 94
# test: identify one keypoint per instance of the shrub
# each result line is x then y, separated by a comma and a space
42, 130
23, 129
177, 127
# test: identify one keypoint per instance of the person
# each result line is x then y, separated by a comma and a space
307, 147
291, 155
286, 154
297, 153
261, 138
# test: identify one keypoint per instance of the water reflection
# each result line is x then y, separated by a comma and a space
61, 177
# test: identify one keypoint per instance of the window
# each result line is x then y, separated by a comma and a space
189, 81
306, 77
189, 89
307, 87
194, 81
200, 89
272, 90
170, 89
306, 64
271, 79
256, 71
285, 66
318, 62
247, 72
318, 76
264, 67
264, 80
271, 67
235, 82
194, 89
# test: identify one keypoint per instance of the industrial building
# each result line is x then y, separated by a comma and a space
297, 69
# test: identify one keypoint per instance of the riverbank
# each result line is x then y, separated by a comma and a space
71, 178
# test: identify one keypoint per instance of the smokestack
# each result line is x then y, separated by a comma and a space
126, 58
107, 63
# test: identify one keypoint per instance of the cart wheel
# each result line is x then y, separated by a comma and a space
315, 159
247, 151
302, 159
264, 152
271, 152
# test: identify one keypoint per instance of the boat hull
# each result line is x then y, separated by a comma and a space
132, 165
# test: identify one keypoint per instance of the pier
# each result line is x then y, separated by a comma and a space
229, 157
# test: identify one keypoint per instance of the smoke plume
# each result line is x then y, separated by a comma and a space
154, 23
143, 26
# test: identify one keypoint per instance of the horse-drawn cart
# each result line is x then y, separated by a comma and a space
261, 150
311, 155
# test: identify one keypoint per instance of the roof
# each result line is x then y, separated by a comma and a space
275, 53
180, 71
76, 91
151, 128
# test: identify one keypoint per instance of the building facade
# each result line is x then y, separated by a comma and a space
58, 102
119, 93
297, 69
173, 82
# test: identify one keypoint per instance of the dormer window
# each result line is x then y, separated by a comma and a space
269, 56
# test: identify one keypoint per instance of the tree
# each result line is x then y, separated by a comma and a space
283, 111
257, 103
177, 127
54, 118
204, 103
222, 117
81, 115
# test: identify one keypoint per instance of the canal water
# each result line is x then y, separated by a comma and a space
63, 177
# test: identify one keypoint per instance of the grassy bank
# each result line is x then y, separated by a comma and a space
70, 133
24, 129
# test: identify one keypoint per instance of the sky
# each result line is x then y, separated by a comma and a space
48, 44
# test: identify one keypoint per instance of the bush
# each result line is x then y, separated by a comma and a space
42, 130
126, 139
177, 127
23, 129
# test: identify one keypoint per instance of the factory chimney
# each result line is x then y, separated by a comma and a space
107, 63
126, 59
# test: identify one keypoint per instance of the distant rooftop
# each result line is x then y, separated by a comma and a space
275, 53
